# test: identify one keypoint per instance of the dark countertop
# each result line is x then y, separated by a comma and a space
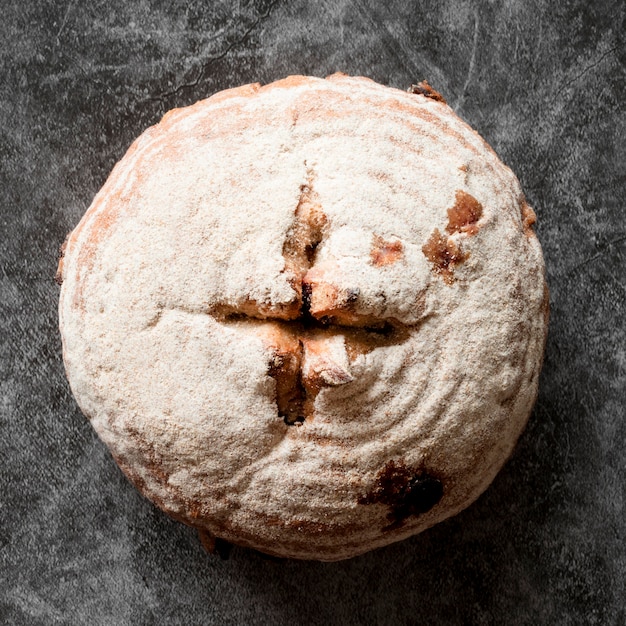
544, 83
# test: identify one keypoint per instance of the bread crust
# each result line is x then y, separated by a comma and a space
307, 317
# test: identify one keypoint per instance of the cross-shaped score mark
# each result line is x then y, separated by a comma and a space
314, 338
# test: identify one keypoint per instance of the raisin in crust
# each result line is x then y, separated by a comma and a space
309, 317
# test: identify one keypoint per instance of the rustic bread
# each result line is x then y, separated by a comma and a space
308, 317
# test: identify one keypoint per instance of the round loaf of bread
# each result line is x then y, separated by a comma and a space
309, 317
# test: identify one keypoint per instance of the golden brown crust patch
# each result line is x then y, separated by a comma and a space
424, 89
385, 252
529, 217
286, 369
302, 241
464, 215
444, 254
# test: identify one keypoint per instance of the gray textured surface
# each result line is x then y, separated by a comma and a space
544, 82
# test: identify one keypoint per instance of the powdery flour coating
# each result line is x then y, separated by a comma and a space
309, 317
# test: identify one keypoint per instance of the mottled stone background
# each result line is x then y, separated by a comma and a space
544, 83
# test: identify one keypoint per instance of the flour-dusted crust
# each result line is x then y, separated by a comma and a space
308, 317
